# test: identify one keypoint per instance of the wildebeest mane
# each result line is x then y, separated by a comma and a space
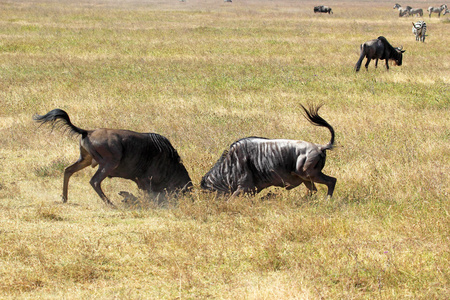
163, 145
393, 51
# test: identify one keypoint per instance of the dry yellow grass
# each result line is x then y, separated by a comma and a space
205, 73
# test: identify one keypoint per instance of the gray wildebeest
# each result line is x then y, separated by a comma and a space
148, 159
323, 9
402, 11
379, 49
419, 29
252, 164
437, 10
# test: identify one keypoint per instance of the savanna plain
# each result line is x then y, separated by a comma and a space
204, 74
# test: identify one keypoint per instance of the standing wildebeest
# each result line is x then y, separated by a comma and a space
323, 9
379, 49
437, 10
402, 11
419, 29
148, 159
253, 164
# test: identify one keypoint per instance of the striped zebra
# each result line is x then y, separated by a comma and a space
437, 10
416, 11
402, 11
419, 29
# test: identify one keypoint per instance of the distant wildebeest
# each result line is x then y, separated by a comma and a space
402, 11
148, 159
323, 9
416, 11
379, 49
252, 164
437, 10
419, 29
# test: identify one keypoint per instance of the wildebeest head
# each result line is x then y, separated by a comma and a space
399, 57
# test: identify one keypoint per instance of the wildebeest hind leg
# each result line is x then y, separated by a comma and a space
96, 180
329, 181
84, 161
367, 63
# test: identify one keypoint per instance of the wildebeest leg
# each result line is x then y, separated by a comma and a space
367, 63
84, 161
96, 180
387, 63
376, 62
329, 181
311, 188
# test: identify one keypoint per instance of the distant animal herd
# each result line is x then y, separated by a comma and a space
249, 165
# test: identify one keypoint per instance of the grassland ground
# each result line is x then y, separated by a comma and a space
204, 74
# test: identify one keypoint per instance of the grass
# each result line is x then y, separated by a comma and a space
205, 74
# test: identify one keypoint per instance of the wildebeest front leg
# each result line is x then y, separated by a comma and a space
84, 161
387, 64
96, 180
311, 188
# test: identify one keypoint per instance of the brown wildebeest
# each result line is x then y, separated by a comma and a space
148, 159
379, 49
252, 164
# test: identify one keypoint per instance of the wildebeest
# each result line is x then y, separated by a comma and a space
446, 12
419, 29
402, 11
437, 10
252, 164
379, 49
148, 159
323, 9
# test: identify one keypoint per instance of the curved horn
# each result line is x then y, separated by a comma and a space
400, 48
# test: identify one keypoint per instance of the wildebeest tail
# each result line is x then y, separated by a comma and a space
312, 115
361, 57
58, 118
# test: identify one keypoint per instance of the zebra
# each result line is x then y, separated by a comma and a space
419, 29
416, 11
402, 11
437, 10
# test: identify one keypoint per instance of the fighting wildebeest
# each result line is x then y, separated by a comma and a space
252, 164
379, 49
402, 11
437, 10
323, 9
419, 29
148, 159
